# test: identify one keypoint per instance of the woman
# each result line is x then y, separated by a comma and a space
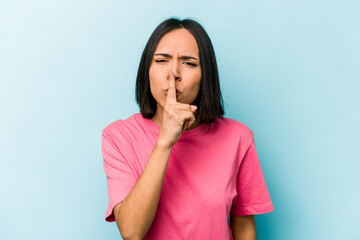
178, 169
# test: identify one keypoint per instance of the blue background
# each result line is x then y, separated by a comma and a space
289, 70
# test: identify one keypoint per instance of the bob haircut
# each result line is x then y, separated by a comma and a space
209, 101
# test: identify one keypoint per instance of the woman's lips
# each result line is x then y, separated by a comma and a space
177, 93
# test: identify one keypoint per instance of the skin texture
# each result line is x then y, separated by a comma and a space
173, 70
243, 227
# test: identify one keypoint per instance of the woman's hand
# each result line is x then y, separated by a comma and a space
177, 117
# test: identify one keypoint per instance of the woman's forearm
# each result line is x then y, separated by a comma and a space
243, 227
138, 210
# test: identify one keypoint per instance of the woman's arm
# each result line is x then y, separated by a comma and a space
243, 227
136, 213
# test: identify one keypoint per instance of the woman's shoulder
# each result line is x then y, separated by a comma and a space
123, 125
234, 126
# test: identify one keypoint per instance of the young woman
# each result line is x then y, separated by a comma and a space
179, 169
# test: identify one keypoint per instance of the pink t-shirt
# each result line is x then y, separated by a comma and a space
213, 171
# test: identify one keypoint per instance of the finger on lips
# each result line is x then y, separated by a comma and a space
171, 94
171, 97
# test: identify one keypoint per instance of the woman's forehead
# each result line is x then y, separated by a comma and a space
179, 41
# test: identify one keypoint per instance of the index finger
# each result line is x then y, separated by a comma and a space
171, 94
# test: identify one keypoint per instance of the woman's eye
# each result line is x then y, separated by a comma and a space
160, 60
191, 64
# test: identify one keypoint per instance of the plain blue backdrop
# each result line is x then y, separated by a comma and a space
289, 70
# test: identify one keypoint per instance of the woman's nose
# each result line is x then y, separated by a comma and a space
176, 70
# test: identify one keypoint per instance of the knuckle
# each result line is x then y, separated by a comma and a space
167, 108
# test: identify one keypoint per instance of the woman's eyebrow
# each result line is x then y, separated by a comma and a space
181, 57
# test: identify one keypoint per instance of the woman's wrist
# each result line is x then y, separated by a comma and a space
163, 144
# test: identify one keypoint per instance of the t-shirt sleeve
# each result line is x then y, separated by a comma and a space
120, 177
253, 196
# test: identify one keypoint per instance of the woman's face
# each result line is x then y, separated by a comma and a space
177, 52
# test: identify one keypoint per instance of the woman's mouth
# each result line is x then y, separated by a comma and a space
177, 93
